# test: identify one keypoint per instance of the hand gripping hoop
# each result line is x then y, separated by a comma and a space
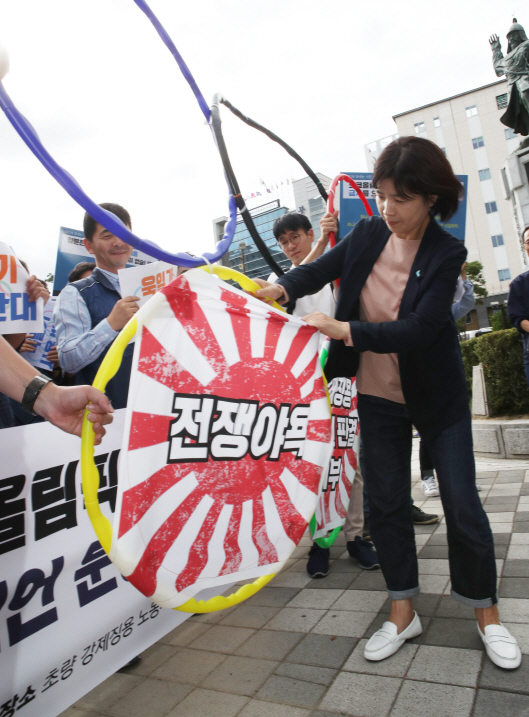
90, 475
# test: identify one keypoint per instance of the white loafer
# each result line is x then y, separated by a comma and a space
386, 642
501, 646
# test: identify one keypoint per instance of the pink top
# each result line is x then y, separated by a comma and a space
380, 299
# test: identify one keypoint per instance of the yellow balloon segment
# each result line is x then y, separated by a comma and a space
90, 474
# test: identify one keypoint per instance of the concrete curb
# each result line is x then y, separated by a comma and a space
501, 439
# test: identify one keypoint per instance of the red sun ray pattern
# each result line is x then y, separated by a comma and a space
236, 436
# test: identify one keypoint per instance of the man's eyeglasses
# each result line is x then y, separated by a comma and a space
283, 243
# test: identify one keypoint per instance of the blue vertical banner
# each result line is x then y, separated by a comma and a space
352, 209
71, 251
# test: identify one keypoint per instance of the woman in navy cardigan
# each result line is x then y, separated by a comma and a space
394, 324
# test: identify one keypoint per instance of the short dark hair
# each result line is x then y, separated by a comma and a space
418, 167
89, 223
290, 222
79, 270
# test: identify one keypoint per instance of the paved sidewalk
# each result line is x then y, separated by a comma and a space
296, 648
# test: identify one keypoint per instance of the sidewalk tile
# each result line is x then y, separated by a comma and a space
501, 527
269, 645
421, 539
207, 702
189, 666
516, 568
294, 692
499, 508
394, 666
521, 527
152, 658
152, 698
299, 566
495, 678
369, 580
346, 564
437, 539
500, 517
502, 538
250, 616
424, 699
211, 618
514, 610
109, 692
291, 580
433, 567
448, 607
319, 599
318, 675
500, 551
257, 708
521, 515
272, 596
361, 600
344, 623
295, 619
446, 665
520, 632
520, 539
514, 588
185, 633
322, 651
240, 675
434, 552
436, 584
361, 695
453, 632
222, 638
335, 580
490, 703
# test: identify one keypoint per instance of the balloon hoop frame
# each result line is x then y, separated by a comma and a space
90, 474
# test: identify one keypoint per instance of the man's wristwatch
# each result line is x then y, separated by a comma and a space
32, 392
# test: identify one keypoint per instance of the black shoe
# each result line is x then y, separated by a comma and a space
422, 518
318, 563
364, 553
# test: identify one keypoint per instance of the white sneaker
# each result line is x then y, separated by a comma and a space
429, 487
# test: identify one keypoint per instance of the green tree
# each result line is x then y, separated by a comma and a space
499, 322
474, 270
49, 279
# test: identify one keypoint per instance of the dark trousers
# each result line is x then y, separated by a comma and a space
387, 440
526, 369
425, 460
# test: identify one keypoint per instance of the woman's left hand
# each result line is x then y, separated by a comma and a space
330, 327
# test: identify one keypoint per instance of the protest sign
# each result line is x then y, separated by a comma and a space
45, 341
68, 619
144, 281
18, 314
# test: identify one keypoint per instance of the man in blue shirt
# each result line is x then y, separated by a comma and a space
518, 305
90, 313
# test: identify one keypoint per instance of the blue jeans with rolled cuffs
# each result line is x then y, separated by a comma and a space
387, 441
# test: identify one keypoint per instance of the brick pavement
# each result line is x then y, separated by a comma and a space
295, 649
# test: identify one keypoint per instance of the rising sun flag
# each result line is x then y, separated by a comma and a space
227, 441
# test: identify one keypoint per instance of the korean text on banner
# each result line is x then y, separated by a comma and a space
45, 341
145, 281
18, 314
68, 620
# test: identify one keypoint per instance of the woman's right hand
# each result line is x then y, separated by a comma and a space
270, 292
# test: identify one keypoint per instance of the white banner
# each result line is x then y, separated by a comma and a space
17, 313
68, 619
145, 281
45, 341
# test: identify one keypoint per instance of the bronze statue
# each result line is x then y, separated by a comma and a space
515, 65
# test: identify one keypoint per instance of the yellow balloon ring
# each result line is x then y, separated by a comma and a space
90, 474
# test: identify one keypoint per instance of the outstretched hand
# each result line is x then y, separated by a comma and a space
65, 407
495, 43
270, 292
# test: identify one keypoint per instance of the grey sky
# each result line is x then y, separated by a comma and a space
111, 106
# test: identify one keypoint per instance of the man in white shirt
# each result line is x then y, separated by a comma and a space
90, 313
295, 236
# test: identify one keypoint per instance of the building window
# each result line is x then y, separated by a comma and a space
436, 122
477, 142
510, 133
504, 274
491, 207
497, 240
501, 101
471, 111
484, 174
419, 127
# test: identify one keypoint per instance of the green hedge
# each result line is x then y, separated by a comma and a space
500, 353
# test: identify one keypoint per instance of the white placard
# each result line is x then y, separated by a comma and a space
68, 619
17, 314
145, 281
45, 341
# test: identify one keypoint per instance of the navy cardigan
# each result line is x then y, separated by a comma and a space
424, 336
518, 308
